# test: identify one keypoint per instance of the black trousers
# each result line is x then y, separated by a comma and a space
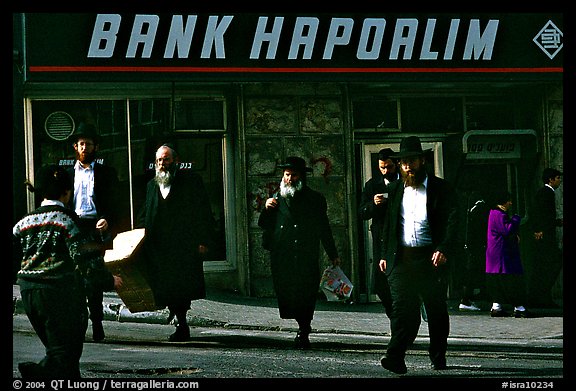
381, 286
94, 296
414, 280
547, 264
59, 318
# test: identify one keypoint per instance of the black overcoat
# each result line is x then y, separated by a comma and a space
175, 227
543, 215
296, 233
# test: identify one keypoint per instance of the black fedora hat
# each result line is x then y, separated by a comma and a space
385, 154
295, 163
86, 131
410, 146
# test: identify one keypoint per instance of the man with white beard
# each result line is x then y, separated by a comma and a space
295, 221
179, 229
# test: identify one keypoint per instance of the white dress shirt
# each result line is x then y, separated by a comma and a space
414, 217
84, 191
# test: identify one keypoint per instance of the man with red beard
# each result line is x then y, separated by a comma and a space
420, 230
179, 229
297, 222
95, 201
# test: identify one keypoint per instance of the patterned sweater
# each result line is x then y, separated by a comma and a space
52, 249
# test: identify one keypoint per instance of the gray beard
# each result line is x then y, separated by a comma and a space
163, 178
288, 191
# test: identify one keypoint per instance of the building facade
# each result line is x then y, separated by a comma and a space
237, 93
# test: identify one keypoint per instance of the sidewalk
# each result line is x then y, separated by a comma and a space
227, 310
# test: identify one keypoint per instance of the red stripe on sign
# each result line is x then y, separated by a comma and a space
287, 70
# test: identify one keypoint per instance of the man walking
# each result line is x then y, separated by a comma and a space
295, 223
95, 201
420, 229
548, 259
373, 203
179, 229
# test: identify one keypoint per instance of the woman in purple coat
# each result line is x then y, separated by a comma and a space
504, 271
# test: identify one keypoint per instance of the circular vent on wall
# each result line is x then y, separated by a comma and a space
59, 125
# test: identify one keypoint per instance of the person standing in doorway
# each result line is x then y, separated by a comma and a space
475, 246
54, 264
96, 203
373, 203
420, 231
296, 222
179, 227
504, 271
547, 256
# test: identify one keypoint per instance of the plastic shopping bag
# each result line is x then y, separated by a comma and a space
335, 285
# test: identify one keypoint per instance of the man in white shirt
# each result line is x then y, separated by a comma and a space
419, 233
96, 203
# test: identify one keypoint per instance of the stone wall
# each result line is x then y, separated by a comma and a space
283, 120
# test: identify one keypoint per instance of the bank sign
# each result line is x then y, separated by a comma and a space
213, 46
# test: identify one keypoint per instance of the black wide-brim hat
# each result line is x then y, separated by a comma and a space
410, 146
86, 131
295, 163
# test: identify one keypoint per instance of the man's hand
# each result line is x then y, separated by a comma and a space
382, 265
438, 258
271, 203
379, 199
102, 225
118, 282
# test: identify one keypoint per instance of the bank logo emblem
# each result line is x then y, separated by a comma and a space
550, 39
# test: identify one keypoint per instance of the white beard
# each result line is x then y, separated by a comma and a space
163, 178
288, 191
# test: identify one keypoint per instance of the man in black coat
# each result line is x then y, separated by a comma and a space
373, 202
96, 202
420, 231
546, 251
179, 230
295, 222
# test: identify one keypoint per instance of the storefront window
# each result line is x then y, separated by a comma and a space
128, 142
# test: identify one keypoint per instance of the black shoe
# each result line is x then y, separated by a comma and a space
398, 367
30, 370
182, 334
97, 331
499, 313
439, 365
302, 341
523, 314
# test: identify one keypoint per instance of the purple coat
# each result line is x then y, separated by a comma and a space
503, 250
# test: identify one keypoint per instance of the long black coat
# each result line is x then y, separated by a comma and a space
296, 233
175, 227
